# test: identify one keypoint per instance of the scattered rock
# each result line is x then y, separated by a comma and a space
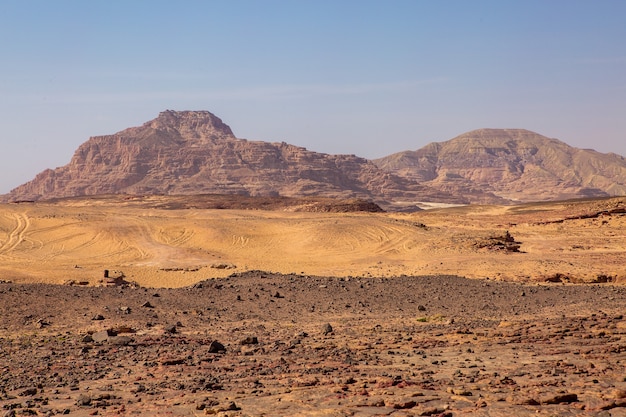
41, 323
103, 335
216, 347
28, 392
83, 400
561, 399
120, 340
170, 328
250, 340
403, 405
327, 329
223, 266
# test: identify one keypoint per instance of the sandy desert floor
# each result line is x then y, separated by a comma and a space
363, 314
165, 247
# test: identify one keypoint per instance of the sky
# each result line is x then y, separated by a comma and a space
361, 77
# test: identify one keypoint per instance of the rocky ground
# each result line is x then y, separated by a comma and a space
259, 344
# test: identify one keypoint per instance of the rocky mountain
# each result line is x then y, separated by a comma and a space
194, 152
510, 164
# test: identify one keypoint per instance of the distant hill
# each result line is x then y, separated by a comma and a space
514, 164
194, 152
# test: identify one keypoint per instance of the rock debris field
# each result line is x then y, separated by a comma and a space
263, 344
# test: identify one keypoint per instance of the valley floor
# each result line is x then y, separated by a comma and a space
164, 310
156, 243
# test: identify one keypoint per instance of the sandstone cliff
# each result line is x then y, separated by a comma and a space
194, 152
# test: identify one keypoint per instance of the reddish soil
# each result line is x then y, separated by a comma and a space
258, 344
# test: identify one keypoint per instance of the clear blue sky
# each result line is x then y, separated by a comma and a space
362, 77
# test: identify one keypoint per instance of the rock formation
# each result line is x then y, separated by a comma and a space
194, 152
514, 164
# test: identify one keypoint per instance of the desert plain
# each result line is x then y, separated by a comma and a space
217, 306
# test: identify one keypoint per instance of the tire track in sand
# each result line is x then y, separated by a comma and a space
16, 236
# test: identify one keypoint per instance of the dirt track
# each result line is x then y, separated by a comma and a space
375, 321
402, 347
161, 244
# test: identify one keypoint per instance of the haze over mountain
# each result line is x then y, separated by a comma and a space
194, 152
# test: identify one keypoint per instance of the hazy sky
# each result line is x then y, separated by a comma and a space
362, 77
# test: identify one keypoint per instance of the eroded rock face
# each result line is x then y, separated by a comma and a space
194, 152
513, 164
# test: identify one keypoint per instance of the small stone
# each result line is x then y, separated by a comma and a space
28, 392
102, 336
83, 400
431, 411
120, 340
147, 305
231, 406
459, 391
216, 347
98, 317
250, 340
402, 405
561, 399
327, 328
41, 323
171, 328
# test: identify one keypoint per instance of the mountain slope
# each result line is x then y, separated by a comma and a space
194, 152
514, 164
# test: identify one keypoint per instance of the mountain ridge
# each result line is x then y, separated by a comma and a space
195, 152
515, 164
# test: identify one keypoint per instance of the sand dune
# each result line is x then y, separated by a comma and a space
79, 239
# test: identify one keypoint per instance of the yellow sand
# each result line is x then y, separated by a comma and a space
171, 248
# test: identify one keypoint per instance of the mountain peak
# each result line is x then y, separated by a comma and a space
194, 152
196, 123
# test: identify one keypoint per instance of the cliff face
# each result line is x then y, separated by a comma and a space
195, 153
514, 164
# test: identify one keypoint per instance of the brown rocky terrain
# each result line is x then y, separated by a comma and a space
366, 313
511, 165
261, 344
